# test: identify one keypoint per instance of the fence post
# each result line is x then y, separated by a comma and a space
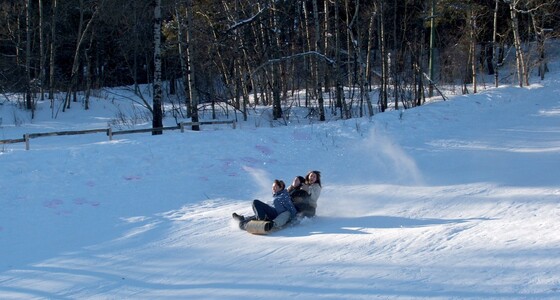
110, 133
233, 124
182, 126
26, 138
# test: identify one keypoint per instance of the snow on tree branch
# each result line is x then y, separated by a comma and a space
281, 59
247, 21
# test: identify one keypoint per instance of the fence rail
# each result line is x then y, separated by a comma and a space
74, 132
12, 141
109, 131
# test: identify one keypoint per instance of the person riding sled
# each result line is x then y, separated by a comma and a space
281, 202
305, 192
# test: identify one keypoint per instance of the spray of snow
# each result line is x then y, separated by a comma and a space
262, 180
391, 159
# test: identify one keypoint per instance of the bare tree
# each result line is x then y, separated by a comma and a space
320, 64
79, 42
52, 51
182, 55
473, 37
522, 74
539, 23
42, 59
192, 100
268, 48
495, 43
339, 88
383, 101
157, 119
432, 46
354, 25
28, 97
276, 79
369, 51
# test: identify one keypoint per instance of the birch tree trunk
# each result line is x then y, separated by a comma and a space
182, 60
193, 102
28, 29
135, 53
384, 59
320, 65
473, 48
368, 62
157, 120
432, 42
350, 82
395, 58
495, 43
311, 63
42, 66
326, 35
52, 52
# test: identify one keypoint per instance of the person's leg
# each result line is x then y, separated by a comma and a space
242, 220
264, 211
237, 217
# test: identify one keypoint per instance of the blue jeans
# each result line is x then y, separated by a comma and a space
263, 211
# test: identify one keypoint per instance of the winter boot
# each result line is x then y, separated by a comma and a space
237, 217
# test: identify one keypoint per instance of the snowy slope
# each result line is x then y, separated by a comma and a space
455, 199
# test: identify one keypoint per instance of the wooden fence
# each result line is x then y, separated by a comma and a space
181, 126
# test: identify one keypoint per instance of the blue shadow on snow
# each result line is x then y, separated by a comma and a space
355, 225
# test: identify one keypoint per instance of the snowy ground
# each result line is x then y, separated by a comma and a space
455, 199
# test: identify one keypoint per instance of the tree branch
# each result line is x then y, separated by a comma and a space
246, 21
281, 59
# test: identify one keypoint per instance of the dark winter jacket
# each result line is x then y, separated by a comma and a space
282, 202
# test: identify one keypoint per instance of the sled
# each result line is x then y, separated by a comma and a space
258, 227
266, 227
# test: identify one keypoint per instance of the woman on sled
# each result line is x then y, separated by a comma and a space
305, 192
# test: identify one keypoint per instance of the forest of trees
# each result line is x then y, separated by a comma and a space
258, 52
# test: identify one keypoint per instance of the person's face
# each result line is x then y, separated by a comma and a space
312, 177
275, 188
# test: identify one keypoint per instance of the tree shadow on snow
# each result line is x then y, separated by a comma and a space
360, 225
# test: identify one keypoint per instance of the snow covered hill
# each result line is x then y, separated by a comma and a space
456, 199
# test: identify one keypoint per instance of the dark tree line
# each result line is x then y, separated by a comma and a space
261, 52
